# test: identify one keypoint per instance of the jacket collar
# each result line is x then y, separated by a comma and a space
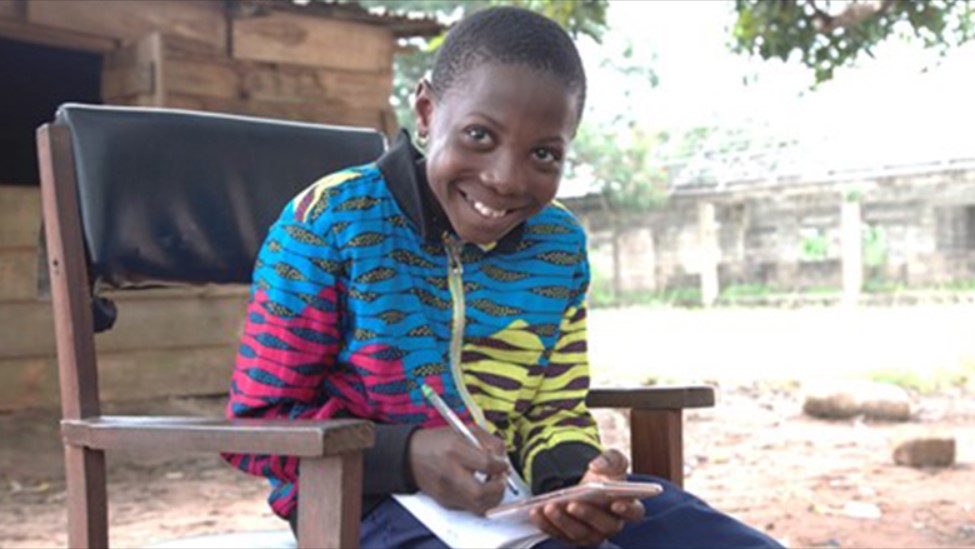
405, 170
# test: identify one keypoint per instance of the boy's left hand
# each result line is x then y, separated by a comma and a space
583, 523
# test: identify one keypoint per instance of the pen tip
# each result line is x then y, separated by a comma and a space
427, 391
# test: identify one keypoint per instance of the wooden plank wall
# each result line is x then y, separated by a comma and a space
201, 21
255, 80
167, 342
278, 64
14, 26
276, 89
12, 9
186, 55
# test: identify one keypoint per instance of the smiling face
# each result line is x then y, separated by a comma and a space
497, 141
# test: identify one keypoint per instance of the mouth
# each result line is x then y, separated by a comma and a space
488, 212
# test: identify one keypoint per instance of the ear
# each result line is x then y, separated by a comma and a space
423, 106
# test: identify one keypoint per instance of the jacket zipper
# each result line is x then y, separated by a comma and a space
455, 281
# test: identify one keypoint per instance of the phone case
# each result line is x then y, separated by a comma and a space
592, 491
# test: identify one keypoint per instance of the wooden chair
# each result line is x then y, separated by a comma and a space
138, 198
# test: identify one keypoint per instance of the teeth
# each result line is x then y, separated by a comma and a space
487, 211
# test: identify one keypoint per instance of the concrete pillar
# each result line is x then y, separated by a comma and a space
851, 241
708, 253
640, 260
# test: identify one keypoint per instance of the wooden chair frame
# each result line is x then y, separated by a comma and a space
330, 451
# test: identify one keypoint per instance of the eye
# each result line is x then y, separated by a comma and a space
545, 154
477, 134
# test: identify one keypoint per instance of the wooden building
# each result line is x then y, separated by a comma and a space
314, 61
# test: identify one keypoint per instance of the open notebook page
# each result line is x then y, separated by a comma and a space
461, 529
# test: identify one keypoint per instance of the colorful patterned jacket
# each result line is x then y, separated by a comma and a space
361, 293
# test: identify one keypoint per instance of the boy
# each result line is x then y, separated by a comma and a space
453, 270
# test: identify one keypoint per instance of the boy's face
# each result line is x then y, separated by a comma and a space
497, 141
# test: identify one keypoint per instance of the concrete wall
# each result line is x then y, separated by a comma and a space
787, 237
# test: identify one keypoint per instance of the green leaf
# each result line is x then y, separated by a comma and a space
826, 36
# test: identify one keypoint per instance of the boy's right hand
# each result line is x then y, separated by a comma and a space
444, 464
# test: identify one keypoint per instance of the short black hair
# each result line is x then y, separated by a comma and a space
509, 36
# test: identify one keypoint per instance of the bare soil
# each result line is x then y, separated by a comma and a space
807, 482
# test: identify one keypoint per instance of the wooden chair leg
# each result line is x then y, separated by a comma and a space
330, 503
87, 497
656, 439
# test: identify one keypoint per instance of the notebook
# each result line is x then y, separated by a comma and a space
461, 529
507, 524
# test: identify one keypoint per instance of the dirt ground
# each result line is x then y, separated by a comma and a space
807, 482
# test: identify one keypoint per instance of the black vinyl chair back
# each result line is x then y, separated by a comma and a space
170, 197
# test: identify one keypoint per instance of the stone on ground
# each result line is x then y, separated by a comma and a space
846, 399
926, 452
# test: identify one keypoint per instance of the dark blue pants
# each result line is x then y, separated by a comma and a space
675, 519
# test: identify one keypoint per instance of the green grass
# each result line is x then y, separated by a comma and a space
879, 286
883, 287
822, 290
746, 290
960, 376
679, 296
601, 293
958, 286
602, 296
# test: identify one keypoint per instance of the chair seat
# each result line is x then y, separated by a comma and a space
265, 539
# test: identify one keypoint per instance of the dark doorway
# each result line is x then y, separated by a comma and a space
35, 80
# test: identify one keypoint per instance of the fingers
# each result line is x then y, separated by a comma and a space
475, 459
444, 466
489, 442
597, 519
630, 510
576, 523
479, 496
611, 463
555, 522
538, 518
491, 459
459, 488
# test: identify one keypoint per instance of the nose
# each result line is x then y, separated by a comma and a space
504, 174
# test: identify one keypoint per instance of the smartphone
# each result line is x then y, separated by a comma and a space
597, 492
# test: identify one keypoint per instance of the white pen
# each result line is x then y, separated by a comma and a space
459, 426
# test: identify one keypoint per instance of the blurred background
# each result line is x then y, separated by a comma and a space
780, 202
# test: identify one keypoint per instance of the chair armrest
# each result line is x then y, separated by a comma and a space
652, 398
656, 424
301, 438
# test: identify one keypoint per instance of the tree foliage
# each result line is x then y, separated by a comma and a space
824, 35
624, 160
579, 17
624, 170
615, 153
